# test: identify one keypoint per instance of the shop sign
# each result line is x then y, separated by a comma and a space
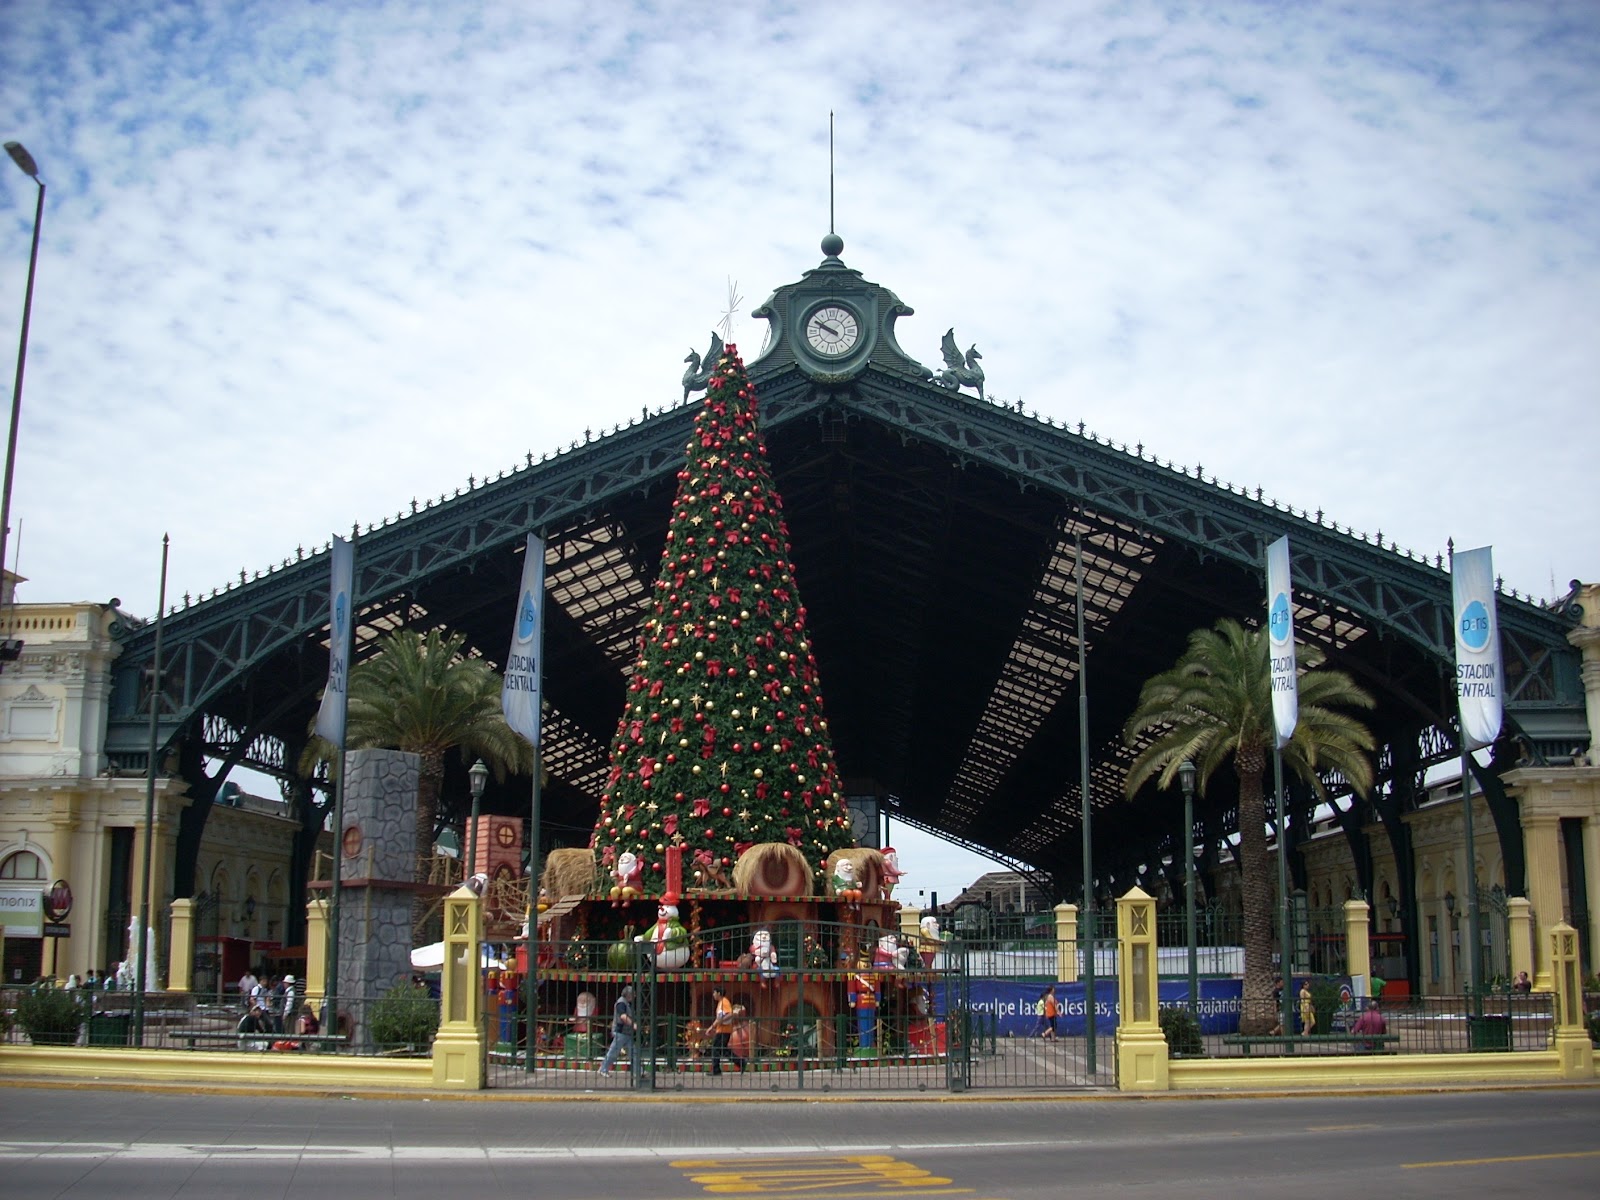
22, 911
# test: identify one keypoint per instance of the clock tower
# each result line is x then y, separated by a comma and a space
833, 324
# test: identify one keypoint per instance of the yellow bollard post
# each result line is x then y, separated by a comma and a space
1519, 916
1066, 943
181, 944
1141, 1046
460, 1049
317, 956
1572, 1045
1358, 946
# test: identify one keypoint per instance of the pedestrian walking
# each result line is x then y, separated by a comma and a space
621, 1031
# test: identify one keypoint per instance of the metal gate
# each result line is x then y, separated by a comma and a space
1004, 1041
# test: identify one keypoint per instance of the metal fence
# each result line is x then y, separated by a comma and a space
1407, 1025
402, 1022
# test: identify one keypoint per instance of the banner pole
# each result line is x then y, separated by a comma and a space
143, 938
1087, 934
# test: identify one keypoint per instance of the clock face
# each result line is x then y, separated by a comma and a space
832, 330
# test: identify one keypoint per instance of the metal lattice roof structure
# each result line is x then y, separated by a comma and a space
935, 538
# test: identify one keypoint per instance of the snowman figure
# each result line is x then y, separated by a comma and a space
844, 880
668, 939
628, 874
764, 954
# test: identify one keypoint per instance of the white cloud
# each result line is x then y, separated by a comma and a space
304, 262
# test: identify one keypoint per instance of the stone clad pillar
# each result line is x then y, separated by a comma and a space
180, 969
1358, 948
1067, 943
1141, 1046
460, 1048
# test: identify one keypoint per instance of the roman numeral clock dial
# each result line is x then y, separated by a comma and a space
832, 330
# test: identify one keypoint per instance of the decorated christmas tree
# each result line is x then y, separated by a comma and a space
723, 742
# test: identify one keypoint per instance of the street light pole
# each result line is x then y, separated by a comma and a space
479, 777
11, 647
1186, 774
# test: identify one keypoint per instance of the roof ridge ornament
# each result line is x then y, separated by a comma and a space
959, 372
695, 379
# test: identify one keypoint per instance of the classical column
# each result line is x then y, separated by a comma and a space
459, 1049
1358, 950
1541, 839
1572, 1044
1067, 943
181, 941
1519, 918
1141, 1046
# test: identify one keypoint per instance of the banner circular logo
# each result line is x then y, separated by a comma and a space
58, 901
1474, 627
527, 618
341, 613
1278, 619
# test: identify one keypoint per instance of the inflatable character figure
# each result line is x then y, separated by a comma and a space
845, 885
669, 940
886, 956
628, 874
764, 955
932, 939
891, 870
863, 996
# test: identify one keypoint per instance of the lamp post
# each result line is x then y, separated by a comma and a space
1186, 774
11, 647
479, 777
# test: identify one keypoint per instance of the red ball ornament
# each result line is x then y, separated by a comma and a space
727, 812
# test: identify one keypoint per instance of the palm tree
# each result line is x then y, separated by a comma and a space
1216, 704
419, 693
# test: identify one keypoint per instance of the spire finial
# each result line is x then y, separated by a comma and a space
832, 244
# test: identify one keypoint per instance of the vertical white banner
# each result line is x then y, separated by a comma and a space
1280, 642
335, 698
1479, 680
519, 699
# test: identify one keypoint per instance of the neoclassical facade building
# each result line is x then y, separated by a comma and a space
66, 816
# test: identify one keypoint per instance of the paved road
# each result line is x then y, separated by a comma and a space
90, 1143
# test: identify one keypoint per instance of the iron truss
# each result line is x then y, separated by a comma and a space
935, 539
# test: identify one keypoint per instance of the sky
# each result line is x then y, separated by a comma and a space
303, 262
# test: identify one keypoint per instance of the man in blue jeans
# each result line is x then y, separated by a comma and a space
621, 1030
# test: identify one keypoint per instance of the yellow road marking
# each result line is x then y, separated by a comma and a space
784, 1175
1509, 1158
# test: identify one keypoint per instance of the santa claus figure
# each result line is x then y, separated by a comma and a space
891, 870
887, 953
932, 940
764, 955
627, 874
669, 940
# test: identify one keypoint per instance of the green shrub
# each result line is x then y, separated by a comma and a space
405, 1016
50, 1016
1325, 992
1182, 1031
